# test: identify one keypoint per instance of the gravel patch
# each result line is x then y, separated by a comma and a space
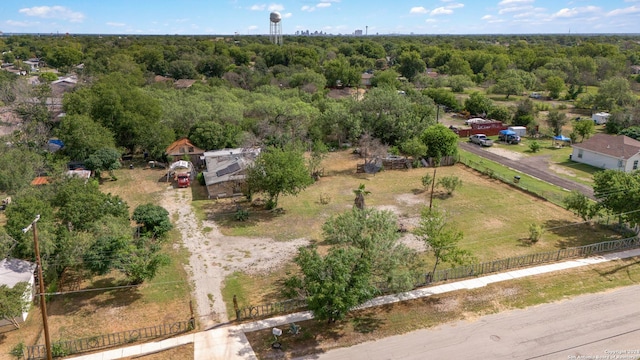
214, 256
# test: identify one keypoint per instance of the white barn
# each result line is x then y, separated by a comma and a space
617, 152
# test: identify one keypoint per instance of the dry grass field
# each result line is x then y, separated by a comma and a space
493, 216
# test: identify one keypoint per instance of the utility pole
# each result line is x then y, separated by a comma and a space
43, 304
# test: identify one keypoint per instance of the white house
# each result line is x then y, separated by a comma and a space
13, 271
617, 152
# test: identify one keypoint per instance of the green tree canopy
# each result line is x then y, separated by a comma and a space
83, 136
441, 238
279, 171
440, 142
585, 128
478, 104
103, 159
411, 64
13, 302
154, 219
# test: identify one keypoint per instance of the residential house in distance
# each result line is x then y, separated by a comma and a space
365, 79
227, 171
617, 152
15, 271
183, 147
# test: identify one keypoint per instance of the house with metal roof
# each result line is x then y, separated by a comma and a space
617, 152
227, 171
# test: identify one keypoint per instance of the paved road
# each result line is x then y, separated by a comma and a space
540, 173
588, 325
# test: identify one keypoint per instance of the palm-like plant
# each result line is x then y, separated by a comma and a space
360, 192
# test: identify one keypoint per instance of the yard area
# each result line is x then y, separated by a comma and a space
402, 317
101, 310
493, 216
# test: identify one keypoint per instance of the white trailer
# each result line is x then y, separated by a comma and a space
600, 118
519, 130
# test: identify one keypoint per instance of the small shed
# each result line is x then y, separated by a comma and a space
519, 130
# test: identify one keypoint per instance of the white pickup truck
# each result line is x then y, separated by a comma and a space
481, 139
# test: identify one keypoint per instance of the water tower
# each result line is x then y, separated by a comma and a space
275, 28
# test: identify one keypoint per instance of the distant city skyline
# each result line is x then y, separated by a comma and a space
383, 17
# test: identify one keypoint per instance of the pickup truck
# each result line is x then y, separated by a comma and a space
481, 139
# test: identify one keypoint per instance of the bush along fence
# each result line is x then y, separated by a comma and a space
289, 306
530, 260
66, 348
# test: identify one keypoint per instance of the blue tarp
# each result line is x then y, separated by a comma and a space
561, 138
507, 132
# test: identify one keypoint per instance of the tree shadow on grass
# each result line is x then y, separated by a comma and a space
572, 234
366, 323
626, 268
100, 294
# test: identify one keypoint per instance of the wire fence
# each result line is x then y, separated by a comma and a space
68, 347
529, 260
288, 306
263, 310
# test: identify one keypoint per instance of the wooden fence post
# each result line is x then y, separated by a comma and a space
235, 307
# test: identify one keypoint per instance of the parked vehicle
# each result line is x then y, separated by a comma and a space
508, 136
481, 139
184, 180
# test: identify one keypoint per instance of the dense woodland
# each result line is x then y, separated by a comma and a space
248, 92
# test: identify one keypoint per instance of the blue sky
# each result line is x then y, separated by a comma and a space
330, 16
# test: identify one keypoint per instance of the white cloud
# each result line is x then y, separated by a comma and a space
430, 20
514, 9
287, 15
53, 12
116, 24
276, 7
258, 7
573, 12
252, 27
308, 8
441, 11
514, 2
323, 5
446, 10
487, 17
630, 10
418, 10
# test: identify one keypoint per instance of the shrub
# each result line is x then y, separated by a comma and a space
18, 350
325, 198
450, 183
426, 180
200, 178
534, 146
242, 215
535, 233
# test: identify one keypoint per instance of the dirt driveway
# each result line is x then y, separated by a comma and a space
215, 256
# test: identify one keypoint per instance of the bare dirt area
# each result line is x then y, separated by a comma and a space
214, 256
513, 155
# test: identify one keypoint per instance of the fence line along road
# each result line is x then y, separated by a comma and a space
461, 272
